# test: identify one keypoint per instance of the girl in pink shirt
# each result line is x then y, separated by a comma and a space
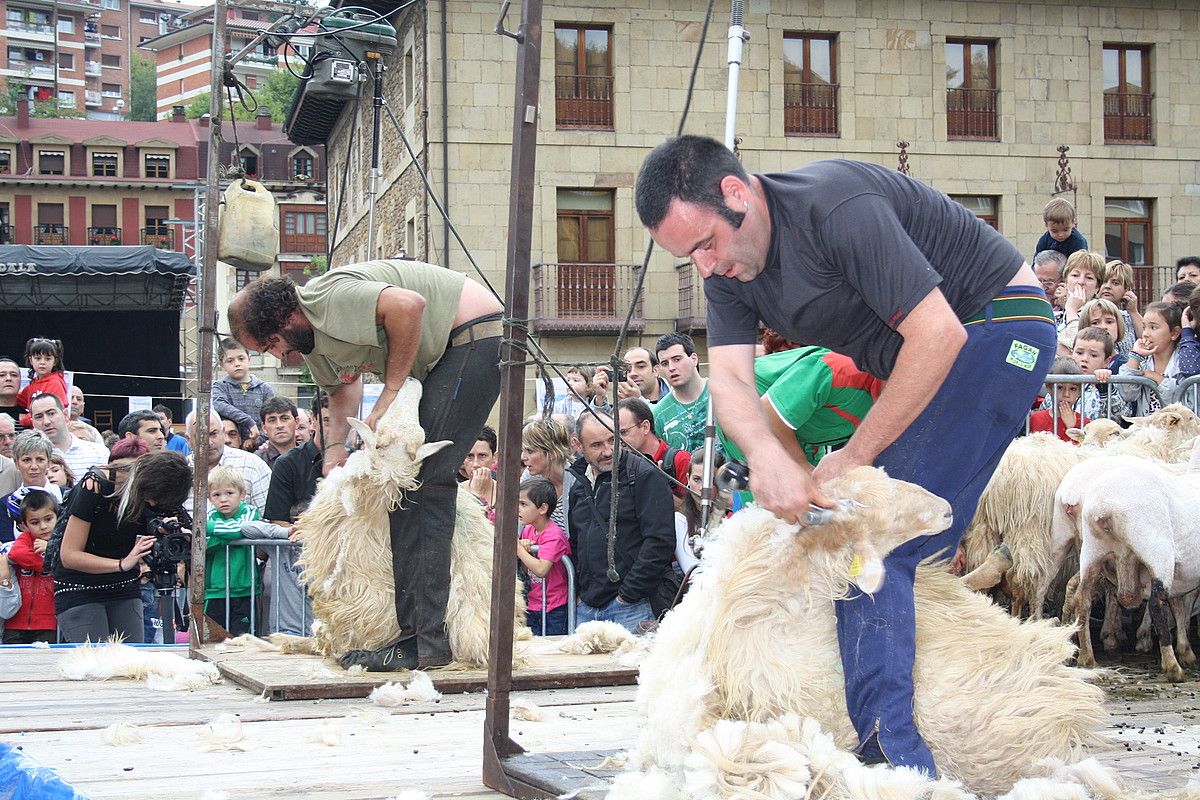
547, 599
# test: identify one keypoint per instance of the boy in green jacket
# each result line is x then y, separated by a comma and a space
227, 496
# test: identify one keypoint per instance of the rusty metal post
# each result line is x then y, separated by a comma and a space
497, 743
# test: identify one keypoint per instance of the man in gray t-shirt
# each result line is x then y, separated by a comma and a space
920, 293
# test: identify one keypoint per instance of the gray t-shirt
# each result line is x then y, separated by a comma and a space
854, 248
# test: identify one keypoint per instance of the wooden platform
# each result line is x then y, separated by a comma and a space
431, 747
301, 677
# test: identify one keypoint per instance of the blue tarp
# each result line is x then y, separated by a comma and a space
22, 778
135, 278
26, 259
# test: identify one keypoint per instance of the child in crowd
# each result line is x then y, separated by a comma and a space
1103, 314
579, 393
44, 357
35, 621
1155, 356
1118, 290
1094, 353
10, 593
239, 395
1178, 292
1064, 397
60, 474
546, 602
227, 496
289, 609
1083, 275
687, 518
1061, 233
1189, 346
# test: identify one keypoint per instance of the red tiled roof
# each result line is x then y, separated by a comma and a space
80, 130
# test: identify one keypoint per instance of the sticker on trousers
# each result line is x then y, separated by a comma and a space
1022, 355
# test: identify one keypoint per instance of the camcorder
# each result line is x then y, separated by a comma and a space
172, 544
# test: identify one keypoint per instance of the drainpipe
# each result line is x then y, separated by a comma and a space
445, 139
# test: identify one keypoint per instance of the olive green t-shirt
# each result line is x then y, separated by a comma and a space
341, 307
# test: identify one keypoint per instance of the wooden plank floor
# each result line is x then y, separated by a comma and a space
432, 747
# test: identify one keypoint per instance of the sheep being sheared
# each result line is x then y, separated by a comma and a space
347, 557
755, 641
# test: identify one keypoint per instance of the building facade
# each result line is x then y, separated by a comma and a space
983, 92
79, 52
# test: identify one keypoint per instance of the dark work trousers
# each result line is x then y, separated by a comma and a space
457, 396
951, 449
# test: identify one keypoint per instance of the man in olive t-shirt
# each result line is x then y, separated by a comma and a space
395, 319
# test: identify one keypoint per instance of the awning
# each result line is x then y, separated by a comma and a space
92, 278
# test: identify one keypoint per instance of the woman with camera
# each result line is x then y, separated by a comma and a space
96, 586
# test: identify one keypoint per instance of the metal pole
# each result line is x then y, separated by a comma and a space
497, 743
206, 330
376, 121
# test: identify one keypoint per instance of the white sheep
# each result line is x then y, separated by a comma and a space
347, 557
1141, 516
755, 640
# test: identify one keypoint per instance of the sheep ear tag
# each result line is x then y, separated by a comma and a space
365, 433
429, 448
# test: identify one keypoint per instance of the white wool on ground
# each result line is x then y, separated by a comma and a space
885, 783
633, 651
412, 794
759, 759
596, 636
419, 690
654, 784
120, 734
215, 794
526, 710
369, 716
946, 789
223, 732
41, 645
1101, 782
247, 642
328, 734
1045, 789
356, 669
114, 660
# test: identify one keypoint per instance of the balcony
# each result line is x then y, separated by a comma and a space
91, 39
1127, 117
92, 69
104, 236
37, 70
693, 307
583, 101
159, 236
92, 99
29, 31
810, 109
971, 114
50, 233
584, 298
6, 234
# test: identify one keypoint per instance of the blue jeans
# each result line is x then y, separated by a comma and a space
555, 620
627, 615
152, 633
951, 449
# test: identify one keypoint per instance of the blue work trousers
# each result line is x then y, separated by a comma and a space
951, 449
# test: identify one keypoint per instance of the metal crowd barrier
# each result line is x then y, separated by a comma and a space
1189, 389
566, 560
273, 623
1054, 381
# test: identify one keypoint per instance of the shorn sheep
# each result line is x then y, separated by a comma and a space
751, 653
346, 560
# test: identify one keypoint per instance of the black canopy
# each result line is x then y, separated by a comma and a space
137, 278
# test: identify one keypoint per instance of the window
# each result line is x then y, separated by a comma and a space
66, 61
110, 31
409, 79
143, 39
110, 60
983, 206
810, 88
971, 91
104, 165
302, 165
309, 223
148, 17
51, 228
585, 253
249, 161
114, 5
66, 24
110, 89
5, 162
51, 162
158, 166
1127, 230
1127, 94
66, 99
583, 78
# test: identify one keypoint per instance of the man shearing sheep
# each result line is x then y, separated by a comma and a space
430, 323
921, 294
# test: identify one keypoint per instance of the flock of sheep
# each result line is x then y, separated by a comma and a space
741, 689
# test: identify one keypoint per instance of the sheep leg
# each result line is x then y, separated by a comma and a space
1145, 642
988, 574
1162, 627
1083, 610
1112, 621
1069, 610
1181, 609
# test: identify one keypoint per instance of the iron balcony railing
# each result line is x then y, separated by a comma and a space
585, 297
971, 114
810, 109
583, 101
159, 236
104, 236
1127, 117
50, 233
6, 234
693, 307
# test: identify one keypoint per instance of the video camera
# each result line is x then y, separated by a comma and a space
172, 544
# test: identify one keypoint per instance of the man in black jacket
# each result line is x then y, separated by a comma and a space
645, 530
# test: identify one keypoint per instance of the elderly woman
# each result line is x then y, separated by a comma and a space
545, 450
31, 452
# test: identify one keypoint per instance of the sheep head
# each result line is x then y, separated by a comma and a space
892, 511
1096, 433
1176, 418
395, 449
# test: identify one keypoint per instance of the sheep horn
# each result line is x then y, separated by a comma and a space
429, 448
360, 427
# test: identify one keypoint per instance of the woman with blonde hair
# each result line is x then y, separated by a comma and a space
545, 451
1118, 290
1084, 274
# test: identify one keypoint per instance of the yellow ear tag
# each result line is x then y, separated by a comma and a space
856, 567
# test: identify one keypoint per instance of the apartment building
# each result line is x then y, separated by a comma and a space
78, 52
982, 91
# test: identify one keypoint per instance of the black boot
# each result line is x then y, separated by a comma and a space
400, 654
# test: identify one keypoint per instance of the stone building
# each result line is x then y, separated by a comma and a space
983, 91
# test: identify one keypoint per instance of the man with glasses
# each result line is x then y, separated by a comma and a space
1048, 266
10, 384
